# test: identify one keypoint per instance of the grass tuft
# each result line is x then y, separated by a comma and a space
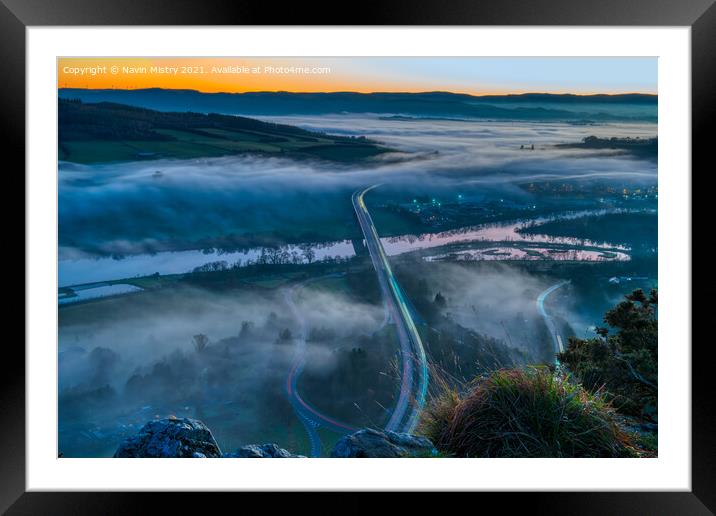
526, 412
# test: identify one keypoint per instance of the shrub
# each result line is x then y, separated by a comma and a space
527, 412
624, 363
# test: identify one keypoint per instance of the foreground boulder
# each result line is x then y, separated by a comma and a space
166, 438
262, 451
369, 443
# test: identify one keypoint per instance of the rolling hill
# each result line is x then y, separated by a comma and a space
530, 106
105, 132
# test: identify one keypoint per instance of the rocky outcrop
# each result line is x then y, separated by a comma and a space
191, 438
369, 443
171, 438
262, 451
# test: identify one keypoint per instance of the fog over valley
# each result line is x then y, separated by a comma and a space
244, 287
128, 208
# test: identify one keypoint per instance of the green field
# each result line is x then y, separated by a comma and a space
104, 132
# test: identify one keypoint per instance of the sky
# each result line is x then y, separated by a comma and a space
473, 75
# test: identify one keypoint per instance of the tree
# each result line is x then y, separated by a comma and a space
308, 254
246, 330
200, 342
622, 358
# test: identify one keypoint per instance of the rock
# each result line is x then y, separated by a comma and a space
171, 438
262, 451
189, 438
369, 443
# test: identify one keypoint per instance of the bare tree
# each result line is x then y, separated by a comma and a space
308, 254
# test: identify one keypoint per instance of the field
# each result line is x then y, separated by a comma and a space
99, 133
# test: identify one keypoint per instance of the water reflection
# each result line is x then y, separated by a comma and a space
92, 270
77, 294
497, 232
532, 253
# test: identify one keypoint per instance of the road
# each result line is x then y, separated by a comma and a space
548, 320
414, 377
311, 418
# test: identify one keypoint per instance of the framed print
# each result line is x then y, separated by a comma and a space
419, 250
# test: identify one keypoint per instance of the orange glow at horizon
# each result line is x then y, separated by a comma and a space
253, 74
208, 82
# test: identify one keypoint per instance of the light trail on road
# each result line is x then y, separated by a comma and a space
549, 321
414, 381
311, 418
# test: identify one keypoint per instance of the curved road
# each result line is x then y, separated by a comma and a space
414, 382
309, 417
548, 320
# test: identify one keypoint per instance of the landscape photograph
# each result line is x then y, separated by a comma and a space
357, 257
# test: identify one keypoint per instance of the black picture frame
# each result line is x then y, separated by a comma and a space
700, 15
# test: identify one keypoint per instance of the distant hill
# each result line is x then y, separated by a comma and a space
106, 131
642, 147
623, 98
531, 106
